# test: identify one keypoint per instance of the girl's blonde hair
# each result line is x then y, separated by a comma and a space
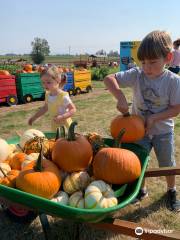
53, 72
155, 45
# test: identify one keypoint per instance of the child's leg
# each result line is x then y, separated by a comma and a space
146, 143
164, 148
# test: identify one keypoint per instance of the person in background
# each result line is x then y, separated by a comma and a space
57, 101
131, 63
156, 98
175, 62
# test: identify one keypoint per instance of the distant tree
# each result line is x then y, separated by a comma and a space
40, 49
113, 54
101, 52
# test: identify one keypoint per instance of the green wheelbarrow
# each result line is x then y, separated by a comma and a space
34, 204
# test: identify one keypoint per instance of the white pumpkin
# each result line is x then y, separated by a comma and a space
6, 168
77, 200
4, 150
99, 195
76, 181
29, 158
61, 198
29, 134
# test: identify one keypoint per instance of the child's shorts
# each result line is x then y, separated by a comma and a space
164, 148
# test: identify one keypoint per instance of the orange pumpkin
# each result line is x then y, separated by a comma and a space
40, 69
72, 154
41, 178
9, 178
133, 124
4, 72
116, 165
65, 69
28, 67
16, 161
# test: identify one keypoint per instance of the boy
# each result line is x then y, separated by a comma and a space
156, 97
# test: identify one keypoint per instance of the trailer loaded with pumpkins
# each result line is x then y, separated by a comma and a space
25, 85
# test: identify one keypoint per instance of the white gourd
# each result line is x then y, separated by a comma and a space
4, 150
29, 134
61, 198
99, 195
76, 181
76, 200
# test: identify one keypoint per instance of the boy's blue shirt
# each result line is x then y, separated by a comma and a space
152, 95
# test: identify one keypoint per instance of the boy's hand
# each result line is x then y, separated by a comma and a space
149, 123
122, 106
59, 119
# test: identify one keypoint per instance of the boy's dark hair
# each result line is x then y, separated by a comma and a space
177, 42
155, 45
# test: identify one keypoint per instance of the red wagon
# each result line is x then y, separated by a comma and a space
8, 92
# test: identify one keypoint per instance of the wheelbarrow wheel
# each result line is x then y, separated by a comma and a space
20, 216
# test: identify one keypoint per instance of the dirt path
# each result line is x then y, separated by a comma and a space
30, 106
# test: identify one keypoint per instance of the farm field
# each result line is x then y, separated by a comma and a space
94, 113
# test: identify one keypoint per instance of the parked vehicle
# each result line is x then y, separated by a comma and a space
8, 91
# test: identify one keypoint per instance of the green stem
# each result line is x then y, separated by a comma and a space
38, 166
71, 133
60, 133
117, 143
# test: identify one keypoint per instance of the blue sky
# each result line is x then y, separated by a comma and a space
83, 25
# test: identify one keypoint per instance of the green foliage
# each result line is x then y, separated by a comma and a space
99, 73
37, 58
40, 49
10, 68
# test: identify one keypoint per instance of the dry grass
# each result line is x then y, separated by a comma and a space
94, 113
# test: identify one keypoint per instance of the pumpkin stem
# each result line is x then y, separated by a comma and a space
71, 133
5, 175
60, 132
38, 166
117, 143
126, 114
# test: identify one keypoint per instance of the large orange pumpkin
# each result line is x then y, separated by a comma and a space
72, 154
116, 165
133, 124
41, 178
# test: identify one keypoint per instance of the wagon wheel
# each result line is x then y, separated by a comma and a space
77, 91
71, 92
27, 98
20, 215
88, 89
11, 100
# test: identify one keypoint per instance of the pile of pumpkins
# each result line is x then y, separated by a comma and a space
59, 169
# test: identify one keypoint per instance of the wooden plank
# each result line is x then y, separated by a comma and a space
165, 171
129, 228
